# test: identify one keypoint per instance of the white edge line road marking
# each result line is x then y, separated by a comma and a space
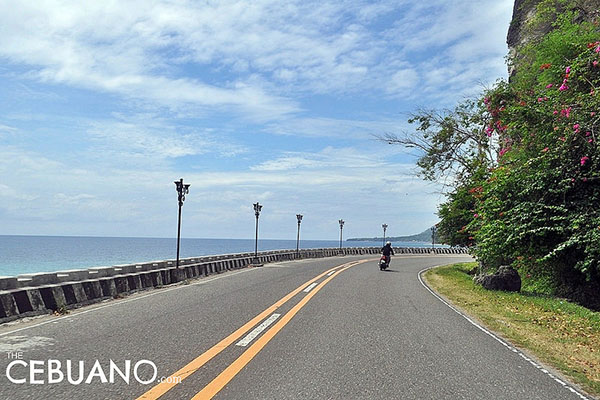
311, 286
508, 346
252, 335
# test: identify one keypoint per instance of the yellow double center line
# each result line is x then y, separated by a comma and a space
234, 368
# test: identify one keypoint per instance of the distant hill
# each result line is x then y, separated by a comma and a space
424, 236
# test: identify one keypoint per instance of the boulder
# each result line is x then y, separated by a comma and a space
506, 279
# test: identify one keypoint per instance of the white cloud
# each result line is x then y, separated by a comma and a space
10, 194
133, 48
99, 47
453, 45
288, 93
361, 186
6, 128
335, 128
327, 159
403, 80
153, 141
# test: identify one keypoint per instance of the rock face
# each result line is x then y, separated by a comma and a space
506, 279
525, 10
521, 30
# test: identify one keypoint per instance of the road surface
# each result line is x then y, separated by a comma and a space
333, 328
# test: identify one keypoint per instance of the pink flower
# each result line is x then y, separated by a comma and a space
566, 112
593, 113
555, 112
590, 140
503, 152
584, 159
597, 49
595, 63
563, 87
568, 70
576, 128
475, 215
501, 128
545, 149
548, 86
588, 133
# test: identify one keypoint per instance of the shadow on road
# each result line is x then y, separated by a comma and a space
390, 270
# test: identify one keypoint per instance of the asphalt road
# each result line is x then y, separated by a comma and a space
334, 328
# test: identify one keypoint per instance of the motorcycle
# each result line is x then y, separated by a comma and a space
384, 262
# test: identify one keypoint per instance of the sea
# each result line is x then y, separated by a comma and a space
32, 254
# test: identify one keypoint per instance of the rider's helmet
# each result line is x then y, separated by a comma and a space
388, 243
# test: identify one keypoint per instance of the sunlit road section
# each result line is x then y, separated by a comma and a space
333, 328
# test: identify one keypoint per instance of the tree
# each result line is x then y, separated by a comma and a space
452, 145
524, 162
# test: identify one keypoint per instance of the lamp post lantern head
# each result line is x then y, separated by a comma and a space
341, 221
182, 190
299, 216
384, 226
257, 208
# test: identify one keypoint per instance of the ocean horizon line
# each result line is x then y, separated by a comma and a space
207, 238
25, 254
185, 238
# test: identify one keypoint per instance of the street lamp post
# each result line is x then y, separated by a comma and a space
299, 217
433, 237
341, 221
257, 208
182, 190
384, 226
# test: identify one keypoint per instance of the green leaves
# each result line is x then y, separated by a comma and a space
524, 160
528, 192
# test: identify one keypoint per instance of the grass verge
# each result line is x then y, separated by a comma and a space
561, 334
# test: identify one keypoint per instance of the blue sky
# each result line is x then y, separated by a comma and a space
105, 104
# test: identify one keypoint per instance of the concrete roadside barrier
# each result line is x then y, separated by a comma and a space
41, 293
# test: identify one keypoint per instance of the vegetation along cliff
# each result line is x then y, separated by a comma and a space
523, 158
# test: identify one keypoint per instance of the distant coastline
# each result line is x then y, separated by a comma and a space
423, 237
388, 239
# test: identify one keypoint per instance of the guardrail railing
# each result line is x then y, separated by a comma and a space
35, 294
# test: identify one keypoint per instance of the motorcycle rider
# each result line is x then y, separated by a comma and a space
387, 251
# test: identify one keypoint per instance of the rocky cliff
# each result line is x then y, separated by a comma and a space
524, 26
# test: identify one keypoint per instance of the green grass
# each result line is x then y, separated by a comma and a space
559, 333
